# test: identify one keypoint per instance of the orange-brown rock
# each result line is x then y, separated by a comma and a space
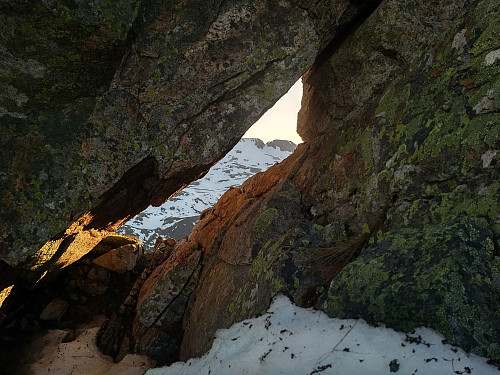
121, 259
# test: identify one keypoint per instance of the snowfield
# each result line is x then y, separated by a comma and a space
296, 341
176, 217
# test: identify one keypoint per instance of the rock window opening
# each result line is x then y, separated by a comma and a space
270, 140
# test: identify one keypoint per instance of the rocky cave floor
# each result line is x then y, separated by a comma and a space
70, 305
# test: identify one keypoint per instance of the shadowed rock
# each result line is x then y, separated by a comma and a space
111, 107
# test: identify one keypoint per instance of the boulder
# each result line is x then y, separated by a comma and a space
118, 334
121, 259
165, 301
54, 310
161, 304
444, 276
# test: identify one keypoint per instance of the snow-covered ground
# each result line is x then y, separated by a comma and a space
296, 341
176, 217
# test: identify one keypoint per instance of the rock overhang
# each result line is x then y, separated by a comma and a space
87, 130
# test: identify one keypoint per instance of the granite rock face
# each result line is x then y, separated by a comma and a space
56, 60
428, 160
453, 286
109, 107
398, 178
389, 211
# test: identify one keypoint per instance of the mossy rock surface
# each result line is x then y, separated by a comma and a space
402, 126
166, 302
442, 276
413, 163
110, 106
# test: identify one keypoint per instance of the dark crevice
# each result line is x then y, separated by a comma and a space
127, 196
188, 280
393, 55
230, 94
348, 24
228, 79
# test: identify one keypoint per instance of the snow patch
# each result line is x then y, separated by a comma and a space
295, 341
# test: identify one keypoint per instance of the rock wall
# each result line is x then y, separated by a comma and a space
398, 180
388, 211
431, 157
110, 107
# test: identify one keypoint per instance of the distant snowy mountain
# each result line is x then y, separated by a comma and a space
176, 217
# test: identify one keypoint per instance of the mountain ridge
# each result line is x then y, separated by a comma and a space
176, 217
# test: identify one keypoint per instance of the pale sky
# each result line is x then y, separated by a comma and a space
280, 122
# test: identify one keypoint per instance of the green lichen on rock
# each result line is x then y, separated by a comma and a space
439, 276
264, 281
105, 87
487, 15
439, 133
439, 127
72, 45
264, 221
167, 301
393, 102
55, 60
283, 265
461, 200
282, 251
